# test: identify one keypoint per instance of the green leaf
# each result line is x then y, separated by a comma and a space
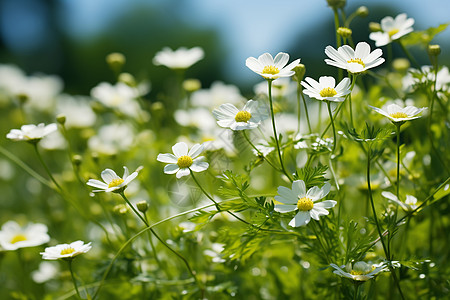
312, 176
423, 37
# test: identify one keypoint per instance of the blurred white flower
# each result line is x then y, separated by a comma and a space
409, 204
13, 237
54, 141
397, 113
31, 133
182, 162
281, 87
77, 111
112, 138
215, 252
359, 271
219, 93
392, 29
354, 61
46, 272
249, 117
272, 68
424, 75
304, 201
326, 88
182, 58
199, 117
66, 251
119, 96
112, 182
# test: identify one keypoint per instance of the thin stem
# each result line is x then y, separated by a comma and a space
45, 166
350, 99
325, 251
332, 124
408, 55
299, 106
69, 262
132, 207
355, 296
269, 81
306, 110
151, 244
398, 124
244, 132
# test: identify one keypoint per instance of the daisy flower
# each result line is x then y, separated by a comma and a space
183, 161
392, 29
326, 88
13, 237
248, 118
112, 182
31, 133
396, 113
304, 201
354, 61
182, 58
359, 271
66, 251
409, 204
272, 68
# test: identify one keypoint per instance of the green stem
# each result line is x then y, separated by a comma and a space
299, 106
398, 124
269, 81
152, 245
325, 251
332, 124
69, 262
45, 166
306, 111
259, 152
408, 55
350, 99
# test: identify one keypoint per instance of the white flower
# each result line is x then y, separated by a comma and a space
249, 117
219, 93
272, 68
281, 87
77, 110
359, 271
263, 147
409, 204
46, 271
182, 161
112, 138
354, 61
66, 251
396, 113
392, 29
31, 132
326, 88
426, 75
13, 237
182, 58
304, 201
112, 182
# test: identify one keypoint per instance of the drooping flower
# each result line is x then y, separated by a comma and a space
66, 251
248, 118
409, 204
112, 182
13, 237
31, 133
359, 271
326, 88
396, 113
272, 68
183, 161
304, 201
182, 58
392, 29
354, 61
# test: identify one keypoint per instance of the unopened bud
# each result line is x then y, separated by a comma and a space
401, 64
77, 159
23, 98
336, 3
120, 209
300, 71
434, 50
61, 119
362, 11
142, 206
115, 61
374, 26
128, 79
344, 32
157, 107
191, 85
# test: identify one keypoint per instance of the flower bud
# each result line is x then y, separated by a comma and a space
401, 64
191, 85
362, 11
77, 159
300, 71
61, 119
115, 61
434, 50
336, 3
374, 26
344, 32
23, 98
142, 206
128, 79
120, 209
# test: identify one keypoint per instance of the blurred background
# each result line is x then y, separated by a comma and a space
71, 38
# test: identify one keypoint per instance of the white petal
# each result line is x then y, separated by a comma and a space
97, 183
253, 64
327, 204
125, 173
286, 196
180, 149
183, 172
167, 158
196, 150
282, 208
362, 50
171, 168
281, 60
300, 219
299, 188
108, 175
266, 59
327, 81
199, 166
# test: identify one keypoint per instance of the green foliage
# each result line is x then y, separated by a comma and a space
424, 37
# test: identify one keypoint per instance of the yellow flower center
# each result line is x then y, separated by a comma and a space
115, 182
353, 272
67, 251
357, 61
398, 115
243, 116
305, 204
270, 70
18, 238
328, 92
184, 161
392, 32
